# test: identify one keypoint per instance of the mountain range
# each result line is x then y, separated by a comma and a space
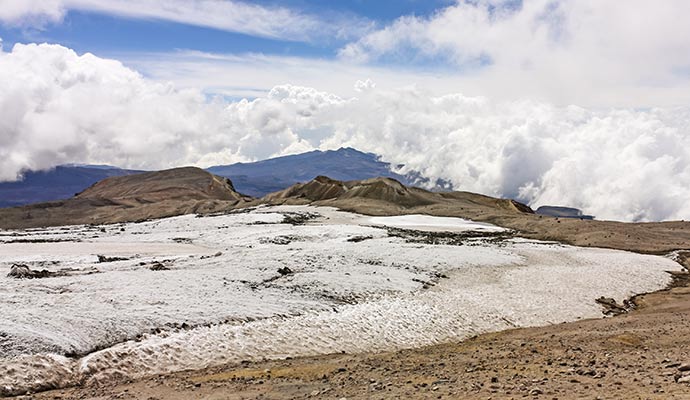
260, 178
255, 179
191, 190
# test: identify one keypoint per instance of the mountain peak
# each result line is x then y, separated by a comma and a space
387, 196
344, 164
323, 188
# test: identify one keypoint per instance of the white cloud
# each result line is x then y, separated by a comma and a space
31, 12
364, 86
229, 15
564, 51
251, 75
57, 107
594, 53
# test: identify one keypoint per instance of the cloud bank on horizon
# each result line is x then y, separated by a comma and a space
513, 135
57, 106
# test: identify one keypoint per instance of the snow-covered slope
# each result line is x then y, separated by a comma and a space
216, 295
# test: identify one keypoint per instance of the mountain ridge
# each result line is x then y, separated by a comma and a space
366, 198
192, 190
58, 183
131, 198
256, 179
345, 164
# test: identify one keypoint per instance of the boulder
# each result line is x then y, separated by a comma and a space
22, 271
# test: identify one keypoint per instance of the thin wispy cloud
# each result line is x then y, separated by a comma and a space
217, 73
272, 22
255, 74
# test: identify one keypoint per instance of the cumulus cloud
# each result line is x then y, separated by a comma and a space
57, 106
364, 86
616, 164
568, 51
229, 15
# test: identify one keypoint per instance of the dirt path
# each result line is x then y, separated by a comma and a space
633, 356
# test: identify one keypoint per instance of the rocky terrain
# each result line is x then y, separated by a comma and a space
191, 190
641, 353
385, 196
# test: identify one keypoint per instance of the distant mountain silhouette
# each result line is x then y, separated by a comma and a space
260, 178
192, 190
255, 179
59, 183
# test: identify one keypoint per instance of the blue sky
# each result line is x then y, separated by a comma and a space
106, 34
587, 53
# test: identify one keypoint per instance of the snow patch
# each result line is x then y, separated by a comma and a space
428, 222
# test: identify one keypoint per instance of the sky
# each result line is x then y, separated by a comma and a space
583, 103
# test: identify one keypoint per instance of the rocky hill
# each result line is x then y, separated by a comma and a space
255, 179
132, 198
59, 183
187, 183
385, 196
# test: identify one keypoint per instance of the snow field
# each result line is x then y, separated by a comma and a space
222, 299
